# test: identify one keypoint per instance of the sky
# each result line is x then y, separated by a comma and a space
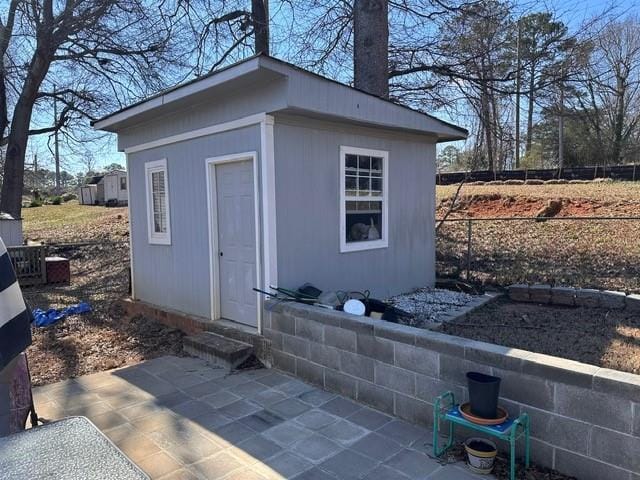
573, 12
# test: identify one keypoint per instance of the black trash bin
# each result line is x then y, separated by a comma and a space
483, 394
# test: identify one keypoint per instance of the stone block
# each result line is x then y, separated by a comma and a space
428, 388
378, 397
340, 383
298, 347
309, 371
309, 330
563, 296
612, 300
559, 370
441, 343
340, 338
540, 293
614, 382
416, 359
586, 468
632, 302
495, 355
413, 410
560, 431
362, 325
327, 356
636, 419
519, 292
357, 365
395, 378
616, 448
376, 348
526, 389
283, 323
396, 332
454, 370
587, 297
275, 337
284, 361
594, 407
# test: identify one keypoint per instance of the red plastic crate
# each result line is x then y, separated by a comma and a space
58, 270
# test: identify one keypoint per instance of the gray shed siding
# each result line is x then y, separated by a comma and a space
307, 161
176, 276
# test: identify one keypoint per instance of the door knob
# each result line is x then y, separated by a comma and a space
220, 253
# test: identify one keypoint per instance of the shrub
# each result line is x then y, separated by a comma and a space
57, 200
36, 202
67, 197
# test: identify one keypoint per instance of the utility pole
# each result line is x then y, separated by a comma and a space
561, 128
518, 76
55, 139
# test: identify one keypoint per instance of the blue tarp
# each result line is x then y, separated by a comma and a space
51, 316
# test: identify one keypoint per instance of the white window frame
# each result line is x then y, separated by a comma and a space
125, 184
369, 244
163, 238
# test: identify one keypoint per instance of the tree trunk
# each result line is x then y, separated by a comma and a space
530, 113
371, 46
618, 125
260, 14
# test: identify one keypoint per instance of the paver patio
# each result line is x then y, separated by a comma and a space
180, 418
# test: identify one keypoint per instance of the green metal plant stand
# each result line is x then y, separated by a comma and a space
445, 409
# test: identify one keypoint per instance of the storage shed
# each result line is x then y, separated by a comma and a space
89, 193
113, 187
266, 174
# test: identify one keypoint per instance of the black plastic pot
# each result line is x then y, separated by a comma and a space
483, 394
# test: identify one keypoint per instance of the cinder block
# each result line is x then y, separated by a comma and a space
560, 431
454, 369
340, 338
357, 324
632, 302
563, 296
376, 348
586, 468
327, 356
395, 378
298, 347
357, 365
495, 355
587, 297
274, 337
309, 371
616, 448
594, 407
416, 359
413, 410
375, 396
395, 332
283, 361
309, 330
612, 300
526, 389
559, 370
519, 292
441, 343
540, 293
428, 388
283, 323
620, 384
340, 383
636, 419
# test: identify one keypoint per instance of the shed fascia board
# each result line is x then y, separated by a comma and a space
177, 93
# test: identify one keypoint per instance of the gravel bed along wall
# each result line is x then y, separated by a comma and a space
585, 420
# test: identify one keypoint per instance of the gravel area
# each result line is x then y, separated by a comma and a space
429, 305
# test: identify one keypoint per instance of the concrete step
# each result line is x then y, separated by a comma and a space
218, 350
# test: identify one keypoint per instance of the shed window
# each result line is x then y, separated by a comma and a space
158, 202
123, 183
363, 199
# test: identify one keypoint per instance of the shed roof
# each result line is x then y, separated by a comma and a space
306, 93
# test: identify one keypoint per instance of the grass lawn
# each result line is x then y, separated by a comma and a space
74, 222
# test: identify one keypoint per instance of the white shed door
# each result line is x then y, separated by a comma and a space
237, 241
110, 188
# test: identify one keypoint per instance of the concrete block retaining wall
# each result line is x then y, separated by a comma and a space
585, 420
574, 297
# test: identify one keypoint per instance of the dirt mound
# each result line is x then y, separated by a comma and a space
497, 205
